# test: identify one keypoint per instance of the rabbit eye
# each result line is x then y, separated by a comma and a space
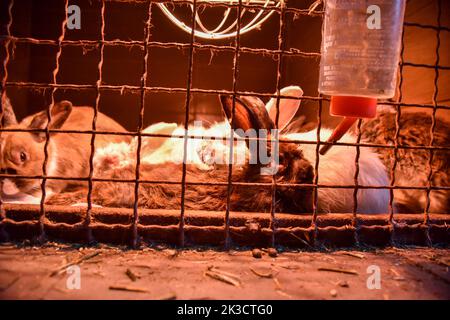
23, 157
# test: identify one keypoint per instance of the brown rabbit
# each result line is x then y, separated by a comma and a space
413, 164
251, 113
22, 153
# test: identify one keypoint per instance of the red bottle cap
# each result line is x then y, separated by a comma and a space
356, 107
351, 108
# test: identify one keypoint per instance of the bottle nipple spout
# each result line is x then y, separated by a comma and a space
351, 108
337, 134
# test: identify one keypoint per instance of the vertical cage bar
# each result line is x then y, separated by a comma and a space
3, 96
316, 171
237, 45
147, 34
398, 111
281, 43
356, 182
49, 118
186, 121
314, 225
87, 222
6, 62
433, 124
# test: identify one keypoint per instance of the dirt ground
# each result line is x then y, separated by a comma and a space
28, 272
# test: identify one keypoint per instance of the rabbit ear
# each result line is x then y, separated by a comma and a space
288, 107
250, 113
8, 117
59, 112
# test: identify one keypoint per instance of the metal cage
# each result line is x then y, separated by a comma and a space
138, 226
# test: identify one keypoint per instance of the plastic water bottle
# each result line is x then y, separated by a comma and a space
361, 42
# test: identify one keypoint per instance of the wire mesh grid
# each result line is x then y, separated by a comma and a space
218, 228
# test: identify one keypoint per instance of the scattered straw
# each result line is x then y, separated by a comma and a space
353, 272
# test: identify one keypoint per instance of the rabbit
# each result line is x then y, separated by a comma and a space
160, 161
22, 153
412, 167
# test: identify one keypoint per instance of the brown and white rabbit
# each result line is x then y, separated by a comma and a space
22, 153
161, 161
412, 167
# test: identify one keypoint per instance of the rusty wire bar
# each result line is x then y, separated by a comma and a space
3, 95
127, 43
426, 26
398, 111
212, 137
237, 44
147, 35
433, 125
156, 44
49, 119
281, 43
356, 182
427, 66
186, 123
131, 88
314, 225
99, 81
256, 184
